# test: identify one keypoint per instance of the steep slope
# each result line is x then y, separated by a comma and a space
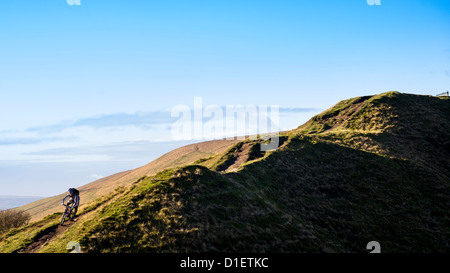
368, 169
407, 126
89, 192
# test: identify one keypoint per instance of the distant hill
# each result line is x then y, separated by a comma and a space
104, 186
372, 168
11, 201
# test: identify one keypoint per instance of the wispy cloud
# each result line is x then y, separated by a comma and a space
85, 128
129, 150
138, 119
298, 110
32, 140
97, 176
143, 120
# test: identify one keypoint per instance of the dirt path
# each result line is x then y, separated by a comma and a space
46, 236
53, 232
241, 156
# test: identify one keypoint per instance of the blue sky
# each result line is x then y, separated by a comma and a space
89, 88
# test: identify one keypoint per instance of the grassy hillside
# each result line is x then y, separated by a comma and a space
97, 189
411, 127
369, 168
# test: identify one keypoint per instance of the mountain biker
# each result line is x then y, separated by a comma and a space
74, 200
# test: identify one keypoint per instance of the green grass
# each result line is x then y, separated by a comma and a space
316, 196
17, 239
370, 168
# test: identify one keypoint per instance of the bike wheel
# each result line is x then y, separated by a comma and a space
72, 214
63, 218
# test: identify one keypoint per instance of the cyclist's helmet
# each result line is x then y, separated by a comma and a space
71, 191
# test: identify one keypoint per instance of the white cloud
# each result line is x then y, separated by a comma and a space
97, 176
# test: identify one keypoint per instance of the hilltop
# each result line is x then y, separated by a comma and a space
372, 168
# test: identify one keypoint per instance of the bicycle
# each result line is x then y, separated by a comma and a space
68, 214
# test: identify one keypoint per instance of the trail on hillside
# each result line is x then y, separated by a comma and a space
240, 157
47, 236
51, 233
